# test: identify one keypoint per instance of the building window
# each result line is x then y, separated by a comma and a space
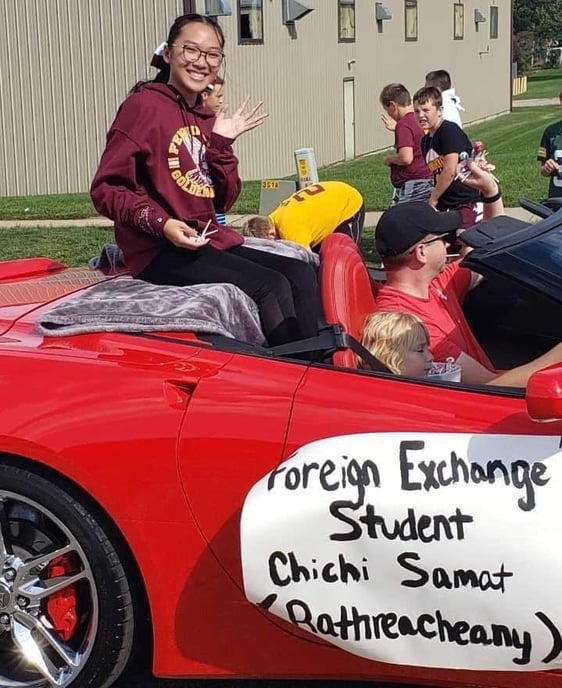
411, 20
493, 22
458, 21
250, 21
346, 21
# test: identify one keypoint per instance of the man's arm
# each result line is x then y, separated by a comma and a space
483, 181
473, 372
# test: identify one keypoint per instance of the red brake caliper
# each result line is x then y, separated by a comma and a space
61, 605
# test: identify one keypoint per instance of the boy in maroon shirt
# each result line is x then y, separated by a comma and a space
411, 178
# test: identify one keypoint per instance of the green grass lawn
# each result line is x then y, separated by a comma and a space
76, 245
544, 83
71, 246
56, 207
367, 174
511, 141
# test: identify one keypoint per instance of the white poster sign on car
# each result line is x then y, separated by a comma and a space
435, 550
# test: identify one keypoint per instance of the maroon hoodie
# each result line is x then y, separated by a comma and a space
162, 161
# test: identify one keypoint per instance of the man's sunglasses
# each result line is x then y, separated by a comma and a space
449, 238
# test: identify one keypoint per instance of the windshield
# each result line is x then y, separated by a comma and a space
543, 254
531, 257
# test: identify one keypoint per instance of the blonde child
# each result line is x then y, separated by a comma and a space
399, 341
260, 227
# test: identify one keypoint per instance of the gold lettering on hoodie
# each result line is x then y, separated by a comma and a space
195, 181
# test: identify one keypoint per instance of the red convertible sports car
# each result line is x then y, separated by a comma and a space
221, 509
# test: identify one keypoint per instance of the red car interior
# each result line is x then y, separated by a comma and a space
348, 292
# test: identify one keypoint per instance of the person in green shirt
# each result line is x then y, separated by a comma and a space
549, 156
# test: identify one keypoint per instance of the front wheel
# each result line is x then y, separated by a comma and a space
66, 614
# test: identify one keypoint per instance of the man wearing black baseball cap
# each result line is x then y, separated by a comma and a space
412, 239
407, 224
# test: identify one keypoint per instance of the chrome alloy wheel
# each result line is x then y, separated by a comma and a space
48, 598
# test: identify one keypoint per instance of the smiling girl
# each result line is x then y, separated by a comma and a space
168, 162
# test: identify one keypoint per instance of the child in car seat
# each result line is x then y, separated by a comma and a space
400, 341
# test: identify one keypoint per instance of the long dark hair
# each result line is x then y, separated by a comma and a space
158, 61
164, 73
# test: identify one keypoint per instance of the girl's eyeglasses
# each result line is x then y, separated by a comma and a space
192, 53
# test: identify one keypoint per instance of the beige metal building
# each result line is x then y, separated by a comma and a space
65, 65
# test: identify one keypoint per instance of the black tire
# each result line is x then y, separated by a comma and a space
38, 518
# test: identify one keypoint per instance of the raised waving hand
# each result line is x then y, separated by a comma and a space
244, 119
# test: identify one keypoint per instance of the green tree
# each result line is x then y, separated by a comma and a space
523, 47
537, 24
541, 17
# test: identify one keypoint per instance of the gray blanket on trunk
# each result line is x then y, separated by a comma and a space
283, 247
130, 305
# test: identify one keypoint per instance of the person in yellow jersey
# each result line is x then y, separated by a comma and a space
311, 214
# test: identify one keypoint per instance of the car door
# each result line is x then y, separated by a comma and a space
404, 507
333, 401
233, 433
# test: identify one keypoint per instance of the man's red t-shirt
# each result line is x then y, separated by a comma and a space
449, 332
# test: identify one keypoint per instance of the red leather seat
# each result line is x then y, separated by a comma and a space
346, 289
335, 241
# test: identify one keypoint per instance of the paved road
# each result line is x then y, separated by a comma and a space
535, 102
371, 219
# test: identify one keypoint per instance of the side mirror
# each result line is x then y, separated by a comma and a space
544, 394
